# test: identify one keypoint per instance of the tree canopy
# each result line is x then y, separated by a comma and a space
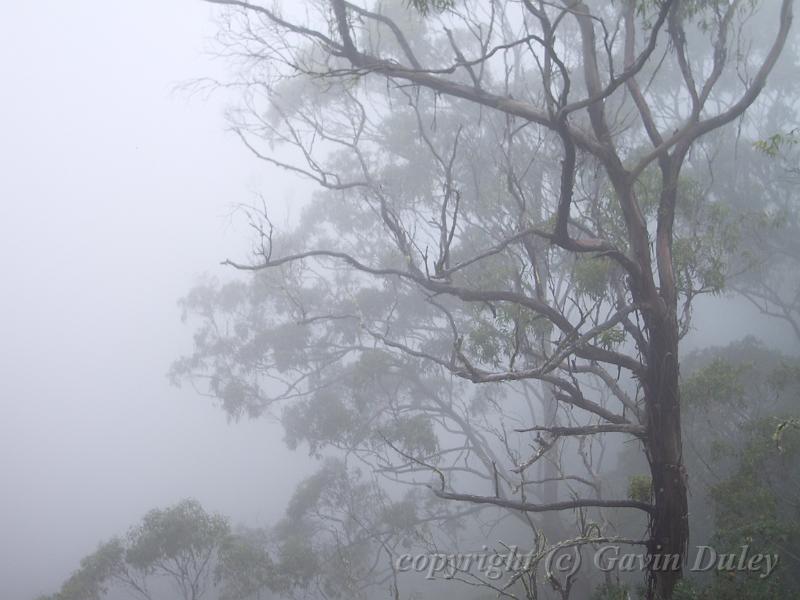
514, 221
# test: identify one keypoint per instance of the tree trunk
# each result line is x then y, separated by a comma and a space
669, 524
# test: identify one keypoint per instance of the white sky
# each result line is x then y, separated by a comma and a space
115, 194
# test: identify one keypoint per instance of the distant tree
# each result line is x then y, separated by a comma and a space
245, 568
739, 401
180, 544
747, 474
773, 283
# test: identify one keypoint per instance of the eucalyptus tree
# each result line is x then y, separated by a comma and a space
179, 544
772, 283
502, 208
744, 463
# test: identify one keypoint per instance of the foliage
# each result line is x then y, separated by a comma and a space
425, 6
336, 528
774, 144
756, 506
640, 487
736, 400
179, 543
245, 567
719, 384
174, 534
91, 580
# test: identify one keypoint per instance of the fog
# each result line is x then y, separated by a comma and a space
119, 189
116, 194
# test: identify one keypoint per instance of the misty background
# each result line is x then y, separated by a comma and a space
116, 195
